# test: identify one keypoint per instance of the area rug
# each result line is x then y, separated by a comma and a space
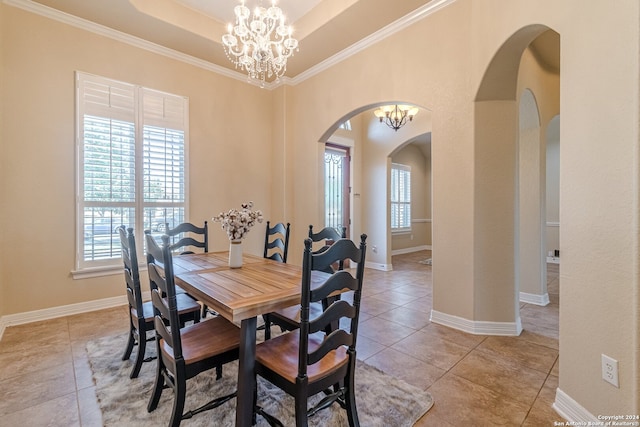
382, 400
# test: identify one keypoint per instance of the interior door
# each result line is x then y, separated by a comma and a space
337, 188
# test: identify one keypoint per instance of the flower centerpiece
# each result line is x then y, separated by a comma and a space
237, 224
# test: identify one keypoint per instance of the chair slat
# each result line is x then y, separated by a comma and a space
336, 339
276, 241
337, 282
334, 312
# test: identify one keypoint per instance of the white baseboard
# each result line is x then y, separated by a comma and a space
535, 299
378, 266
553, 260
411, 250
61, 311
477, 327
572, 411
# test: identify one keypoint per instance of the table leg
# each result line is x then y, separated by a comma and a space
246, 366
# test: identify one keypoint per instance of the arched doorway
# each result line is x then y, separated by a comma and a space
371, 144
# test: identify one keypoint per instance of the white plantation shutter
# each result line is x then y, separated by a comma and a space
400, 197
164, 154
131, 164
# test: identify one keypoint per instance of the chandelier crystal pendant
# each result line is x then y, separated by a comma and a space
395, 116
260, 44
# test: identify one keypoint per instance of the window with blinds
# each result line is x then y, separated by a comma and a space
400, 197
131, 164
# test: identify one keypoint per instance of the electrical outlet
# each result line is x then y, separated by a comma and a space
610, 370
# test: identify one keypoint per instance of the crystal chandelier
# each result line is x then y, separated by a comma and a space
260, 45
395, 116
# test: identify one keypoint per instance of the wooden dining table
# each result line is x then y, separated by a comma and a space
240, 295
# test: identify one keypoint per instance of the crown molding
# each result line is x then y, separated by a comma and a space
394, 27
83, 24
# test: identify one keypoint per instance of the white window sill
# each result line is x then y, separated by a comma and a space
87, 273
401, 231
109, 270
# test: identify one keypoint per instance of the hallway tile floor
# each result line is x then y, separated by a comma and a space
475, 380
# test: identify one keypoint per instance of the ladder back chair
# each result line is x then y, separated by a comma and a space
180, 239
183, 240
187, 352
276, 241
141, 313
306, 361
276, 247
329, 235
288, 319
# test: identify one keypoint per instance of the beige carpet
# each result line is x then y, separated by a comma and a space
382, 400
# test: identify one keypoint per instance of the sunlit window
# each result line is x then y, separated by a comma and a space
131, 164
400, 197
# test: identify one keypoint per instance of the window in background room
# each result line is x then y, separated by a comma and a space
131, 156
346, 125
400, 197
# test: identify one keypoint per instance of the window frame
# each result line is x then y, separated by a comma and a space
170, 112
405, 170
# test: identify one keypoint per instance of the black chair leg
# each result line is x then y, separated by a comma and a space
142, 347
158, 386
178, 403
267, 326
130, 343
301, 411
350, 395
352, 411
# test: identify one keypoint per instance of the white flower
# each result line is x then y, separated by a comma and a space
238, 223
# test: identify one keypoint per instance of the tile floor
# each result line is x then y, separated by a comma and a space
45, 379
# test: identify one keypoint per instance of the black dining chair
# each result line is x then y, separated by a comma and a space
288, 319
306, 362
328, 235
184, 238
187, 352
276, 247
140, 312
276, 241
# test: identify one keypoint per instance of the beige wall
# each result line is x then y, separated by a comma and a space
599, 211
3, 166
531, 265
538, 101
468, 79
227, 166
474, 170
553, 184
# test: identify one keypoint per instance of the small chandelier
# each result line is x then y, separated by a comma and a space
395, 116
262, 45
